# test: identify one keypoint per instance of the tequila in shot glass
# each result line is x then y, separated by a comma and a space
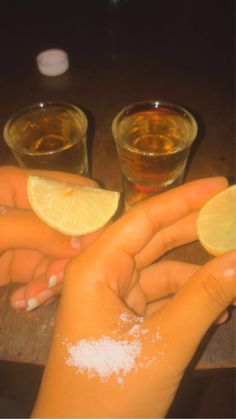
49, 135
153, 140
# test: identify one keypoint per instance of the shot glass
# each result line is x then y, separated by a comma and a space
49, 135
153, 141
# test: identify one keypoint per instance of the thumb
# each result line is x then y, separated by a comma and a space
188, 316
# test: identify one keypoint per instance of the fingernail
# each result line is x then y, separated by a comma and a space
55, 279
32, 303
52, 281
75, 243
41, 297
20, 304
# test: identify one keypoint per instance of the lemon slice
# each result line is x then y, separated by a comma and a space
216, 223
71, 209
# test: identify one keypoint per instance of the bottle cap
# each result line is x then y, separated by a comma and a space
52, 62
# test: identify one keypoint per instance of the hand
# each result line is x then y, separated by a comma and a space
112, 278
30, 251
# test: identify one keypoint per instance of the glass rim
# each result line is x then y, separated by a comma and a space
37, 106
154, 104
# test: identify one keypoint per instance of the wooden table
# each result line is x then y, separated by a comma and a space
181, 52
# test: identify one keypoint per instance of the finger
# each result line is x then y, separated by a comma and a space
158, 281
157, 305
181, 232
21, 265
5, 261
23, 229
86, 240
136, 300
13, 183
165, 278
43, 297
41, 288
196, 307
144, 220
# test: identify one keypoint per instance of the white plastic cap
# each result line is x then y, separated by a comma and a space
52, 62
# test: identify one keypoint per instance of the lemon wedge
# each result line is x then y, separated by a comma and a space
71, 209
216, 223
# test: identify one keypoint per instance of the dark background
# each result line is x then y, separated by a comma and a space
193, 39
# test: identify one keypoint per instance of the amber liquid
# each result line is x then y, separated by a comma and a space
153, 153
63, 155
50, 141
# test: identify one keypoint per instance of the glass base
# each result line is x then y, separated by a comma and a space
134, 193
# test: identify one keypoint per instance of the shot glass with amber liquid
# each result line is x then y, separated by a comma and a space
49, 135
153, 141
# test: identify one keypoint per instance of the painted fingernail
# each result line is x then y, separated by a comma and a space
20, 304
55, 279
52, 281
75, 243
32, 303
42, 296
